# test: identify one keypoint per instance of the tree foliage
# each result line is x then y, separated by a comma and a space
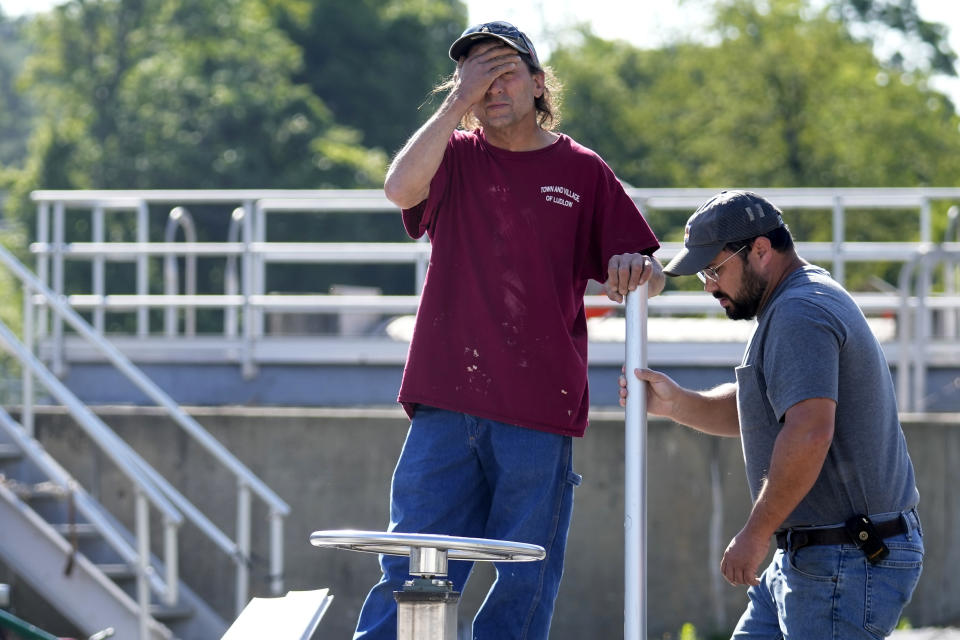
787, 97
902, 16
373, 62
15, 112
781, 100
173, 94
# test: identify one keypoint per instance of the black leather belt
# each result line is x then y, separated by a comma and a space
835, 535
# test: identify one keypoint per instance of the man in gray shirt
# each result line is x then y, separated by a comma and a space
815, 409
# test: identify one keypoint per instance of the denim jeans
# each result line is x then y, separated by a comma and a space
466, 476
831, 592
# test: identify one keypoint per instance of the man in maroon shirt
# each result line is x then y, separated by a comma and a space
519, 219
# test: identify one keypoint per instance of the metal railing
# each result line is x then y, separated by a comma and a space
248, 252
149, 489
37, 294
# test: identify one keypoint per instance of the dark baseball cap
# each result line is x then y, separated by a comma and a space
499, 30
727, 217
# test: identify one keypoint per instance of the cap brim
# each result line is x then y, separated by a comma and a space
692, 259
462, 45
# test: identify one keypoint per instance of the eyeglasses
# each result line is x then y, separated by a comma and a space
713, 273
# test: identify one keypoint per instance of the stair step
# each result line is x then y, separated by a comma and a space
120, 571
81, 530
165, 613
39, 491
9, 452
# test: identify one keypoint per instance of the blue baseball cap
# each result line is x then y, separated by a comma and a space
499, 30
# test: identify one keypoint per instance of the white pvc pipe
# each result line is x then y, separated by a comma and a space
635, 471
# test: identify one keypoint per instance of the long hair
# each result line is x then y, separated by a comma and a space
547, 105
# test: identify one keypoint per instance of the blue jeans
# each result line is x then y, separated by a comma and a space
831, 592
467, 476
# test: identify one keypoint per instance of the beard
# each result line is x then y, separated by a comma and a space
745, 304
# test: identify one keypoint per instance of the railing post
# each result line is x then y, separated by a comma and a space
243, 545
58, 239
98, 270
249, 268
635, 468
143, 562
276, 552
231, 281
179, 217
922, 331
43, 259
839, 233
143, 283
171, 558
26, 376
260, 273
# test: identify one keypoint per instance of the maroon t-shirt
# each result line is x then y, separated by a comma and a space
501, 331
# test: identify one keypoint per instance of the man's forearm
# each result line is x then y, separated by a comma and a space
713, 412
408, 178
798, 457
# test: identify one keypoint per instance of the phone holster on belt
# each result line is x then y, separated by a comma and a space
864, 535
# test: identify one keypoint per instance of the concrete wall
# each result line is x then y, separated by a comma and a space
334, 466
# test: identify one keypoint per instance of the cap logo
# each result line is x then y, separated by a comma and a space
749, 209
686, 234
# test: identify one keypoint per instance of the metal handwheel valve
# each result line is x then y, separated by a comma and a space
427, 603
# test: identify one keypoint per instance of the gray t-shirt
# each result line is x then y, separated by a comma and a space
812, 341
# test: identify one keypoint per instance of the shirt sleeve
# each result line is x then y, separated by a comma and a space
619, 226
420, 218
802, 355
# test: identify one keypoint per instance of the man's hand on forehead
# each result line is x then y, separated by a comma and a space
485, 62
492, 48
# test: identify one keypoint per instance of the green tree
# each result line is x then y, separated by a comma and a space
177, 94
374, 62
15, 113
785, 98
902, 16
781, 100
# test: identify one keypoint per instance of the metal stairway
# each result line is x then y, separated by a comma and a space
88, 565
69, 548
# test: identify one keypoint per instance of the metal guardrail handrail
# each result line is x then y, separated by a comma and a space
246, 479
914, 343
248, 248
179, 218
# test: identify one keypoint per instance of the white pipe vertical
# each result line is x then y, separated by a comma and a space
635, 471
